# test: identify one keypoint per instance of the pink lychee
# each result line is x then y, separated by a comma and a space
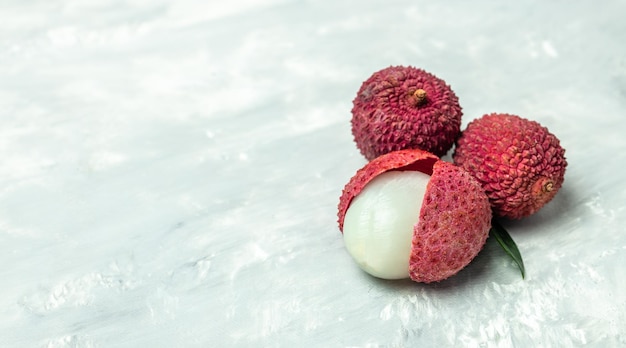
519, 163
405, 108
408, 214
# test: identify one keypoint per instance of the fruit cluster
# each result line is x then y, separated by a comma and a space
409, 214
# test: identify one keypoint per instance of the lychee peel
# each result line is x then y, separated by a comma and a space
519, 163
453, 226
454, 218
402, 107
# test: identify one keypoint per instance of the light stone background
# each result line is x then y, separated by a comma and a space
170, 170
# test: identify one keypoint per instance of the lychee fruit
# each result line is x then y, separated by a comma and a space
519, 163
408, 214
405, 108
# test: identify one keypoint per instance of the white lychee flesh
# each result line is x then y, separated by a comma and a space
378, 225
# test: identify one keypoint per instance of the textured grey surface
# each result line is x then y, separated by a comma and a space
170, 172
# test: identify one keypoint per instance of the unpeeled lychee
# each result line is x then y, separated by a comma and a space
405, 108
520, 164
408, 214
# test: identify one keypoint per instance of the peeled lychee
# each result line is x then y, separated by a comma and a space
405, 108
408, 214
519, 163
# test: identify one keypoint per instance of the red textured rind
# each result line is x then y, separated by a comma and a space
385, 117
453, 226
520, 164
411, 159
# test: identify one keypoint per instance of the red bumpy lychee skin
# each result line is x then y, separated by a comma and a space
455, 216
405, 108
520, 164
453, 226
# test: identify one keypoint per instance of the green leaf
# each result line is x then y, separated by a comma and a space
508, 244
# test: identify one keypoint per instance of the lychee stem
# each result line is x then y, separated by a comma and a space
548, 186
420, 96
542, 187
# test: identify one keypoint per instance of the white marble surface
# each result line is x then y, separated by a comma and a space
170, 171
